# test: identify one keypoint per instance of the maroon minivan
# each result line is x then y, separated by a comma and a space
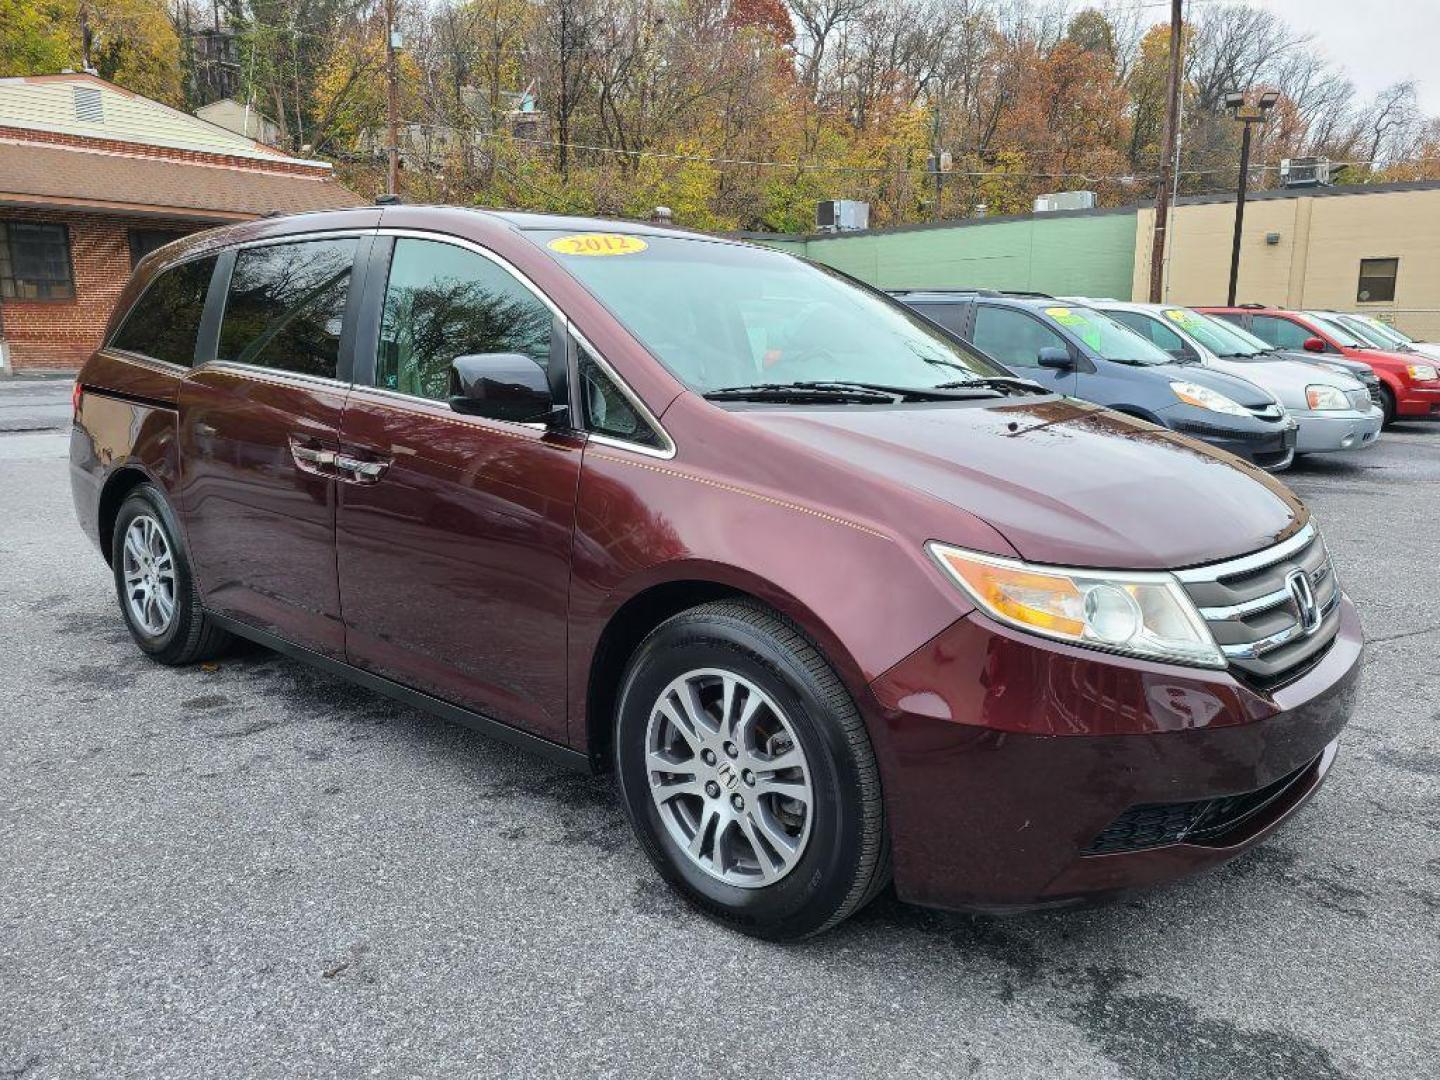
837, 598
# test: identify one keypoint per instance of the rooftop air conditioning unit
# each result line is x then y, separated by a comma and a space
1065, 200
1304, 171
841, 215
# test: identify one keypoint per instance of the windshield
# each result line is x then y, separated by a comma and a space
1387, 337
722, 315
1219, 337
1340, 332
1109, 339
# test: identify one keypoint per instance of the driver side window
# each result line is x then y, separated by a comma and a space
1279, 332
444, 301
1012, 337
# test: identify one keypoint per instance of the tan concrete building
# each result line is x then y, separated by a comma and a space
1371, 248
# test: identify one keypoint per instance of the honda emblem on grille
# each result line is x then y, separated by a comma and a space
1298, 582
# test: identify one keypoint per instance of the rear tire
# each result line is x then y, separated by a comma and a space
155, 586
771, 819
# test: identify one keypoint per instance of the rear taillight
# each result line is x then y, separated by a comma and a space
75, 396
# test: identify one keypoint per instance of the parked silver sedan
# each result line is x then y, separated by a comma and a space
1334, 410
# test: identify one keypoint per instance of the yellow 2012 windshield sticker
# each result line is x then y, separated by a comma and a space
597, 243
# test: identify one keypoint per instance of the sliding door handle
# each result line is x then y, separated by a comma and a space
358, 470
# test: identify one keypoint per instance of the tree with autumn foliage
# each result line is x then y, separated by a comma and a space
743, 114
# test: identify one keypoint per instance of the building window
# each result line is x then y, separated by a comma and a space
1377, 280
144, 241
35, 262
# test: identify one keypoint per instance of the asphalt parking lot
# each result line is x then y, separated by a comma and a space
255, 870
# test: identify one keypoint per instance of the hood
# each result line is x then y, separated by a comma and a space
1329, 361
1064, 482
1430, 350
1239, 390
1287, 379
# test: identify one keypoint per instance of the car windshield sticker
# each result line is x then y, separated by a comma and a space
598, 244
1088, 331
1182, 316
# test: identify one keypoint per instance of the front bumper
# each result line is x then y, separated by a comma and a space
1326, 432
1006, 758
1268, 444
1419, 403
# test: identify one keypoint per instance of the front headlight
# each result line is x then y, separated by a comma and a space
1139, 614
1321, 398
1423, 372
1202, 397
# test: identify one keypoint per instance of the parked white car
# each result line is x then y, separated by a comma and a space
1334, 410
1382, 335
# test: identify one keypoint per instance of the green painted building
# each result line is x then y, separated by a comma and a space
1084, 252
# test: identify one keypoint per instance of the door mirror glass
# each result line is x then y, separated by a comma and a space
1052, 356
1314, 344
500, 386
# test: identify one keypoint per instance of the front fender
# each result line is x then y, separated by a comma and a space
866, 595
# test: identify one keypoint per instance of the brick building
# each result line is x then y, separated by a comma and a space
92, 178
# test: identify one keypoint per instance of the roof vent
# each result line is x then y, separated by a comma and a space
88, 107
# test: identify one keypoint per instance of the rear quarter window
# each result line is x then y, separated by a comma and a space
165, 321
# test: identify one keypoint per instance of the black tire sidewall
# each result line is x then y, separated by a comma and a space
809, 894
146, 499
1388, 396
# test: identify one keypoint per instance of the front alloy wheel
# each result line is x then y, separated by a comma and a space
748, 774
729, 778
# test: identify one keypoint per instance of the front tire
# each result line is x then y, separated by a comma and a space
1387, 406
747, 773
155, 586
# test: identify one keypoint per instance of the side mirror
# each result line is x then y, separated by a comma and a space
1314, 344
501, 386
1052, 356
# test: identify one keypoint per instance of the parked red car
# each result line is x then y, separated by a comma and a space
834, 596
1409, 383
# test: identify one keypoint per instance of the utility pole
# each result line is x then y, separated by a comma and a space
1167, 156
392, 172
1247, 115
939, 173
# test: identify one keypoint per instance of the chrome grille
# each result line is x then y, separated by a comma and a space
1257, 609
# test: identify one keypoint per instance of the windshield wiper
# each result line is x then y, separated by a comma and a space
845, 390
799, 392
1006, 384
942, 392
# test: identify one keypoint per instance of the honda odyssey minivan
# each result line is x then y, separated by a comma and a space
837, 600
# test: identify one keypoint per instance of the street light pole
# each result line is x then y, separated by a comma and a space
1167, 157
1240, 190
392, 170
1247, 115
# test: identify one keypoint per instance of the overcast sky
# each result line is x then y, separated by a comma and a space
1378, 42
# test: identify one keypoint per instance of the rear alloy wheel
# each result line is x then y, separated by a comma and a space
148, 570
748, 774
154, 584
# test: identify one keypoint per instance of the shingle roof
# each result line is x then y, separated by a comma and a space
89, 107
39, 175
